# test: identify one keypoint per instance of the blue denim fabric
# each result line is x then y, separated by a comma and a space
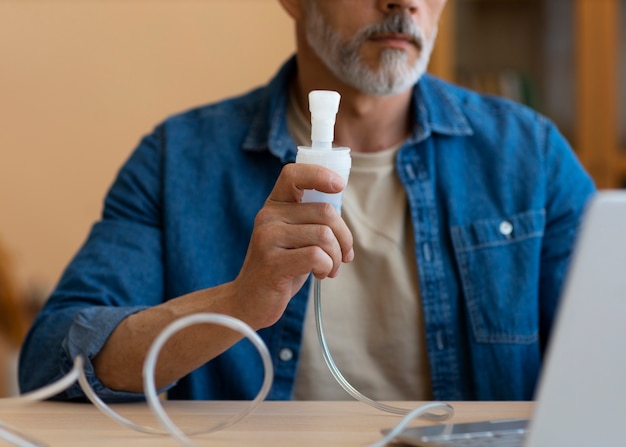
495, 195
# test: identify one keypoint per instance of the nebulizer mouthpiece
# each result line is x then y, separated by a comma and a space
324, 105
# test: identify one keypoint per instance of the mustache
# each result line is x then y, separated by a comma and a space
398, 23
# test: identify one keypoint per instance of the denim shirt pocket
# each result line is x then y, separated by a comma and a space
499, 263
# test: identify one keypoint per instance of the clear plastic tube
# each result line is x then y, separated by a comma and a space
17, 438
150, 363
444, 410
77, 373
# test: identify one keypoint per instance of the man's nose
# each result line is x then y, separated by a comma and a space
405, 6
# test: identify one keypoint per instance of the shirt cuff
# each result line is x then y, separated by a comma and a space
87, 335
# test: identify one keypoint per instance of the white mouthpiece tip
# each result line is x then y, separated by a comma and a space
324, 105
324, 102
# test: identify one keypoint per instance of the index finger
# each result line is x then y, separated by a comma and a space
296, 177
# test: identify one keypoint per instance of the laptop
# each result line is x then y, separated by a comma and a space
581, 396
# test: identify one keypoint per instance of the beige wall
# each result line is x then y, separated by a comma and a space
81, 81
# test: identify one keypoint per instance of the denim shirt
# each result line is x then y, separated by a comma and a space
495, 195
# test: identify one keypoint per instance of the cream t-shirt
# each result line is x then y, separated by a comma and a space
371, 310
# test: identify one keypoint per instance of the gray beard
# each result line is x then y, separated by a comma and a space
342, 58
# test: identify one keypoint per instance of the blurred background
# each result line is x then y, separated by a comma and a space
82, 80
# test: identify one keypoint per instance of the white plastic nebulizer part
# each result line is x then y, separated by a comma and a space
324, 106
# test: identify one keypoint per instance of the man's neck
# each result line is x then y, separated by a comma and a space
373, 123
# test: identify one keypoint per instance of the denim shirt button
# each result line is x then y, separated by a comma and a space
427, 252
441, 343
410, 172
506, 228
285, 354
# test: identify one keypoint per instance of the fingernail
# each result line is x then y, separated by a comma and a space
337, 182
350, 256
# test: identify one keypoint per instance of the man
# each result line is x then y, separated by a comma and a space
457, 225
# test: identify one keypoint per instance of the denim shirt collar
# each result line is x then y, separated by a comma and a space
435, 111
269, 124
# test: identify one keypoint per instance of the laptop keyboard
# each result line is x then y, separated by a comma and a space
476, 440
502, 433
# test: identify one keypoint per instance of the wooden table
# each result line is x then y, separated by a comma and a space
335, 424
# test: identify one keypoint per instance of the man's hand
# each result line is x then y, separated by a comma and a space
290, 240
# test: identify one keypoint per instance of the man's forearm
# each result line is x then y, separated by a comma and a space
119, 364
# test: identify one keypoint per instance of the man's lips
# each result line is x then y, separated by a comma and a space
396, 40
